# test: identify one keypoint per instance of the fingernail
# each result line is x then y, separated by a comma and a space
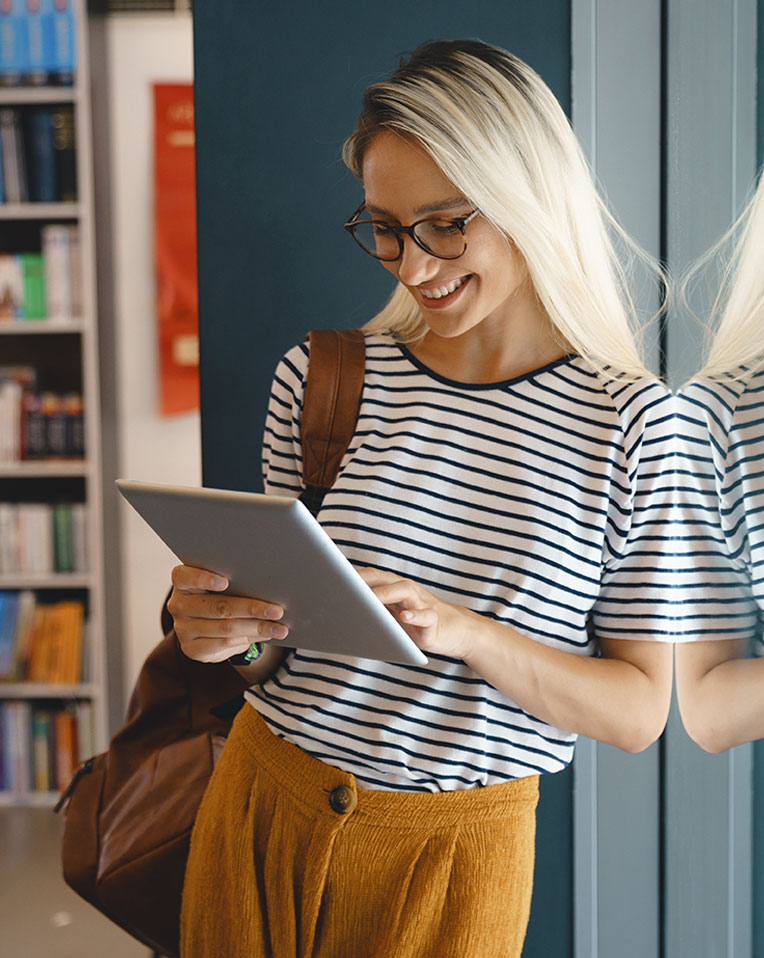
273, 612
218, 582
279, 631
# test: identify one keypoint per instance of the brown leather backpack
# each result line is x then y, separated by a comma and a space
130, 810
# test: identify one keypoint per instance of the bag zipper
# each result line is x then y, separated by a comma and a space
87, 766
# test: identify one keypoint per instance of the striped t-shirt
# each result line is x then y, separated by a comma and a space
720, 432
538, 502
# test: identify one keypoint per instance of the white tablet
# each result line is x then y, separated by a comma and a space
271, 548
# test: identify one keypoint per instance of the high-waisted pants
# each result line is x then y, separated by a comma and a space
290, 859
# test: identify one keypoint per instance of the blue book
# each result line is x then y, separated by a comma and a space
8, 632
41, 155
39, 54
58, 19
14, 43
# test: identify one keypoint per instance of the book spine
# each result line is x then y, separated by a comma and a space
34, 286
13, 43
65, 153
56, 251
40, 755
80, 537
38, 66
41, 154
66, 748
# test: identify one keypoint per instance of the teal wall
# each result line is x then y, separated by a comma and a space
278, 88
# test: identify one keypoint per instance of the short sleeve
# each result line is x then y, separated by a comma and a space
637, 573
714, 597
282, 447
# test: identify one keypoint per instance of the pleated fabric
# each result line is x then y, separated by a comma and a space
275, 871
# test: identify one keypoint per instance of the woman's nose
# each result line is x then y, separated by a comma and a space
416, 265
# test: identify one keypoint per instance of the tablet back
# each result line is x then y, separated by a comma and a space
271, 548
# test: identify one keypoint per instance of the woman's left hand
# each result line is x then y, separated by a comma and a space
436, 626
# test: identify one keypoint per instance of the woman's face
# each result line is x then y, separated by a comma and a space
402, 185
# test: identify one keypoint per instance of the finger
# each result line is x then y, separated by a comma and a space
206, 605
235, 630
419, 618
400, 591
191, 579
374, 577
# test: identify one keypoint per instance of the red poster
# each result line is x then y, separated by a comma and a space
175, 239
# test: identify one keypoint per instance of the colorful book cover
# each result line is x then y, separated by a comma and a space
66, 748
24, 625
14, 42
40, 52
8, 632
33, 273
40, 752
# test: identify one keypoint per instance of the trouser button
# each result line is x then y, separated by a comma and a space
342, 799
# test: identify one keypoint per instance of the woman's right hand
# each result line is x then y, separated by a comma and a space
212, 627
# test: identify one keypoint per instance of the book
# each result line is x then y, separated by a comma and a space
17, 746
66, 748
11, 287
12, 154
65, 158
41, 155
56, 243
14, 43
41, 760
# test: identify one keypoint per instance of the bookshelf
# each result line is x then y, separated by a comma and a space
64, 353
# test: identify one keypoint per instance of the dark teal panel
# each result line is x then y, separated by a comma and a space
758, 750
278, 87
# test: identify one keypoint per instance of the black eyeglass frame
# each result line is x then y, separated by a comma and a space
458, 221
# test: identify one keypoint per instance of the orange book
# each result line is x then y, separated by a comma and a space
36, 652
71, 620
66, 748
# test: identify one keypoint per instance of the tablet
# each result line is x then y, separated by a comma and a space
271, 548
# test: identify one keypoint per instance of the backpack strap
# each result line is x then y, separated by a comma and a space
330, 409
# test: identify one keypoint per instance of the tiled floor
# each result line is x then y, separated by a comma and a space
40, 916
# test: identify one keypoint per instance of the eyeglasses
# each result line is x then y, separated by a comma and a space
444, 238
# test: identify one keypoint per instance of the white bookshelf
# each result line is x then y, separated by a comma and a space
31, 327
50, 212
28, 339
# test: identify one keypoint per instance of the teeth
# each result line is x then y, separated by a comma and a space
440, 291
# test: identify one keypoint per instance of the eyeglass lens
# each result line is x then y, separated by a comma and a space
440, 236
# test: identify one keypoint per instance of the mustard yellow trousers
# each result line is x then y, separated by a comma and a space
290, 859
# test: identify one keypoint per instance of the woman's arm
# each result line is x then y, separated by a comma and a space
720, 692
621, 698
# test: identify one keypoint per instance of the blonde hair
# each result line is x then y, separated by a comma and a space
736, 349
497, 132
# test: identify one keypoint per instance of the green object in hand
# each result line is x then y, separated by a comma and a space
254, 652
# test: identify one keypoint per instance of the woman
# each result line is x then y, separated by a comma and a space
502, 497
721, 415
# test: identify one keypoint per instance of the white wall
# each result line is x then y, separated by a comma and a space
141, 50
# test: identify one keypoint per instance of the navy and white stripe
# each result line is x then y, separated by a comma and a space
720, 482
538, 502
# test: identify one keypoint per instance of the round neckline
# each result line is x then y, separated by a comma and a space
422, 367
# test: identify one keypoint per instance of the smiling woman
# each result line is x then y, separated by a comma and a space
503, 497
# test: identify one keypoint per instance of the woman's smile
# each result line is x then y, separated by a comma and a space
441, 295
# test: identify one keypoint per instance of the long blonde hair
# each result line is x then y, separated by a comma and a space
736, 348
497, 132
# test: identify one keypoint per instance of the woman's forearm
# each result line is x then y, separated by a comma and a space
721, 702
622, 701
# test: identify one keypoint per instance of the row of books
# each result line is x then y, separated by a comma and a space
41, 746
38, 153
37, 44
43, 538
38, 426
41, 642
45, 285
